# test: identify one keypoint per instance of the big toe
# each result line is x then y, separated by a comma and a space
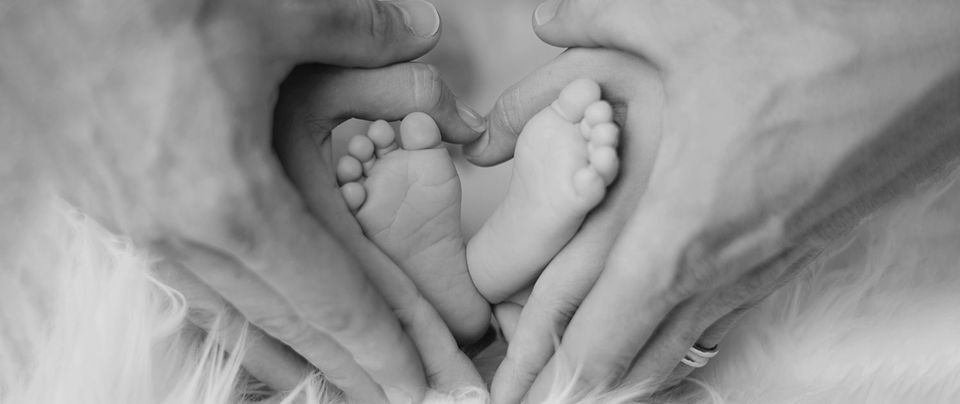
575, 98
418, 131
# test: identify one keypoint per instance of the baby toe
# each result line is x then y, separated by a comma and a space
605, 135
589, 185
575, 98
354, 194
383, 137
606, 162
597, 113
585, 129
418, 131
361, 148
349, 169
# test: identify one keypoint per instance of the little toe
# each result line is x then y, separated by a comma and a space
418, 131
585, 129
575, 98
354, 194
383, 137
589, 185
605, 135
349, 169
606, 163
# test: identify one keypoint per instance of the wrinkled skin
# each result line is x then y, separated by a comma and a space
767, 130
156, 117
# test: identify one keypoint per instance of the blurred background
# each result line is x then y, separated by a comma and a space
485, 47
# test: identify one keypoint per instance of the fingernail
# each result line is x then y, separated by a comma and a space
546, 11
397, 396
485, 341
471, 117
420, 17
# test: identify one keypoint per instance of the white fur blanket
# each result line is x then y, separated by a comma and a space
877, 321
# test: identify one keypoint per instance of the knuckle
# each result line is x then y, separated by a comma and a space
289, 328
204, 318
428, 86
231, 231
697, 268
604, 367
380, 25
232, 218
411, 307
333, 318
557, 307
508, 111
524, 365
587, 10
658, 280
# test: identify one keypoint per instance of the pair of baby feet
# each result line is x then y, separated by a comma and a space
405, 193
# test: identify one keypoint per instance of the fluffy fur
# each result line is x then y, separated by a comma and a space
83, 321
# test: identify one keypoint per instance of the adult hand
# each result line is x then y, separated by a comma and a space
156, 116
784, 124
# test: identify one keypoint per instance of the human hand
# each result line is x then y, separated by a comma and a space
785, 123
155, 116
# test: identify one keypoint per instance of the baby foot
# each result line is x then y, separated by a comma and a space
564, 160
406, 197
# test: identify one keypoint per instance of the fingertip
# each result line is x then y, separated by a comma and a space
366, 33
471, 117
475, 150
549, 22
508, 386
508, 315
497, 143
545, 12
541, 386
420, 17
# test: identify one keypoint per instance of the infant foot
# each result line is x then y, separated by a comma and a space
564, 160
406, 197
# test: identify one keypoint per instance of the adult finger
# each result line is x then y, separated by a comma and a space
304, 151
263, 304
521, 101
634, 293
365, 33
727, 306
262, 356
657, 30
331, 94
712, 337
263, 251
644, 292
636, 92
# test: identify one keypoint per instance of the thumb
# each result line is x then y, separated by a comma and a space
642, 27
365, 33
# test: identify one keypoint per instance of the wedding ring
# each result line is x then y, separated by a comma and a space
698, 356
